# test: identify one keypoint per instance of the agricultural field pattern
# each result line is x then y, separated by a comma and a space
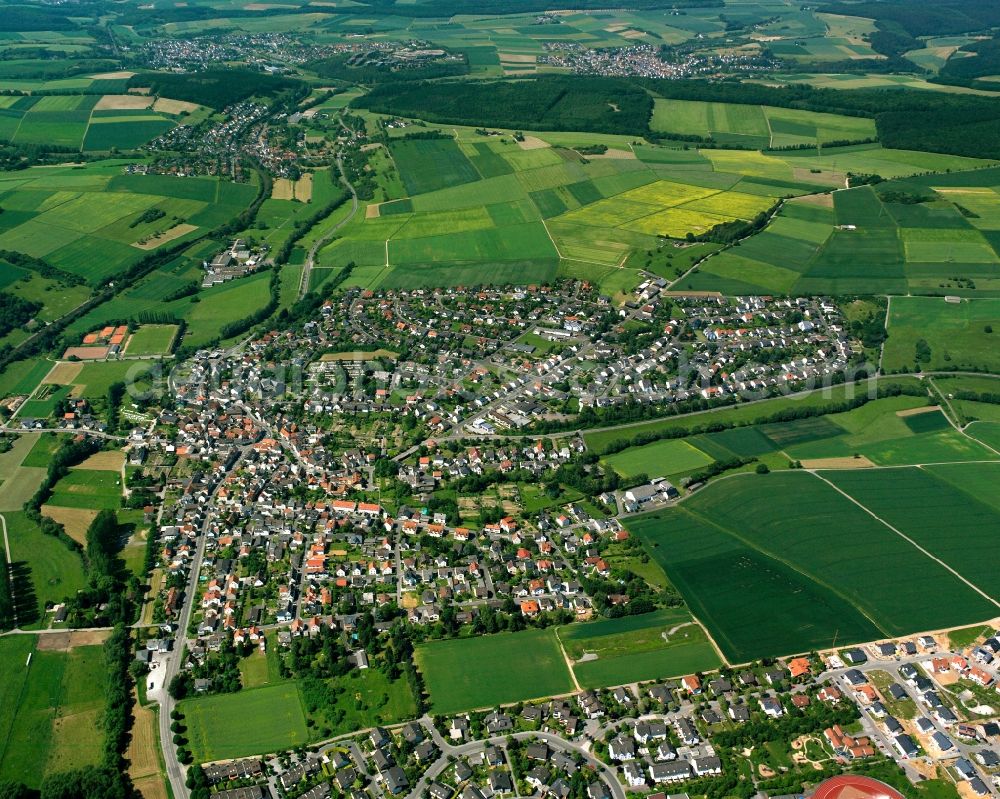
500, 399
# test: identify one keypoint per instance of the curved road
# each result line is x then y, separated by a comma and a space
450, 752
311, 258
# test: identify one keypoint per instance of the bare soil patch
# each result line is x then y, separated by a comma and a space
282, 189
141, 752
532, 143
304, 188
75, 520
372, 211
120, 75
517, 58
63, 373
63, 642
918, 411
846, 462
168, 106
106, 461
167, 235
123, 102
150, 787
617, 154
87, 353
822, 200
828, 178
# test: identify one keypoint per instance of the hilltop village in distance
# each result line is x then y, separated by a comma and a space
410, 399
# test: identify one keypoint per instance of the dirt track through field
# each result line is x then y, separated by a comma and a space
909, 540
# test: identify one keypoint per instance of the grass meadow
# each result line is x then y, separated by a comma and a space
467, 673
652, 646
959, 335
217, 727
50, 709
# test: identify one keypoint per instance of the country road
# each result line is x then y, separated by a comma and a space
324, 239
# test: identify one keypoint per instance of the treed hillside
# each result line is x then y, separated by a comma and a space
604, 105
217, 88
946, 123
448, 8
354, 70
964, 71
940, 18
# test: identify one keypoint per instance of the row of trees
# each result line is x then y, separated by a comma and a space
783, 415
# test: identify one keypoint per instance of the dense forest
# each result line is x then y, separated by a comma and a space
604, 105
15, 312
217, 88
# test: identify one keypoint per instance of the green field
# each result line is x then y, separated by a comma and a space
955, 334
429, 164
783, 563
495, 669
152, 340
50, 709
868, 243
49, 572
943, 516
217, 728
756, 126
633, 648
660, 459
745, 414
83, 488
489, 211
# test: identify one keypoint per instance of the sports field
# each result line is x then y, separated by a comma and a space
86, 488
652, 646
664, 458
218, 729
216, 723
783, 563
49, 716
467, 673
151, 340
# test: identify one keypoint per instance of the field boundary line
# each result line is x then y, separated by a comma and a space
770, 132
816, 580
8, 567
569, 663
17, 705
885, 327
86, 130
554, 245
907, 538
709, 636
